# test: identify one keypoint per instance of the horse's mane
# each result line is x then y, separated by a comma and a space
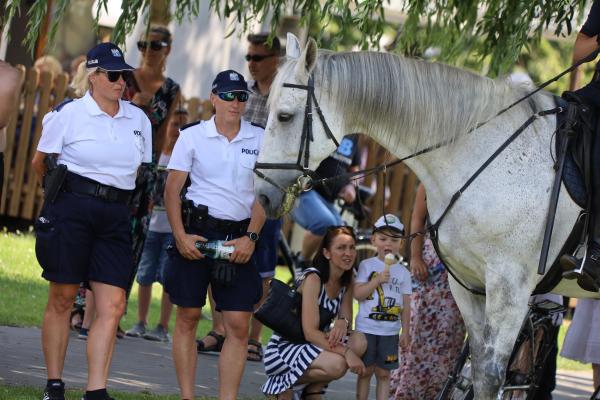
387, 93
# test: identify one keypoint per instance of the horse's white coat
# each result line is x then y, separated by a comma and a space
493, 235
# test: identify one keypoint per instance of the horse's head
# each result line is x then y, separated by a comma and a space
282, 158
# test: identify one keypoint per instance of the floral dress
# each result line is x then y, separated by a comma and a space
141, 202
437, 333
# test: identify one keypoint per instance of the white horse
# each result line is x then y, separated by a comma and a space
493, 234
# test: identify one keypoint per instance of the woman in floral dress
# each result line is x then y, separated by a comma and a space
158, 96
436, 328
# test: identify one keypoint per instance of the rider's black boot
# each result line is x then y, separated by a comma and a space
589, 276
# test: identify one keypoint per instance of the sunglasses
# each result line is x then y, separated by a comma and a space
257, 57
114, 76
242, 97
155, 45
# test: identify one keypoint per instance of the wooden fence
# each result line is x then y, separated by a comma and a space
22, 196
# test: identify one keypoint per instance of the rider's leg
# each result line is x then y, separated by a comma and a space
590, 277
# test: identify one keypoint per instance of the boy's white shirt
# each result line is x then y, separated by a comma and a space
381, 313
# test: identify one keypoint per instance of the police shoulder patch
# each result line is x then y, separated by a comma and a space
61, 105
184, 127
255, 124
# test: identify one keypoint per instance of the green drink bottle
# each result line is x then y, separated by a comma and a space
215, 249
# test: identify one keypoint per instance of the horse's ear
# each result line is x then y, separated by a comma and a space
292, 46
307, 61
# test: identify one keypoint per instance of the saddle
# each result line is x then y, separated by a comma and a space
576, 130
580, 126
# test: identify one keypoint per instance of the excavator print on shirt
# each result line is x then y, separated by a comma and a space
386, 308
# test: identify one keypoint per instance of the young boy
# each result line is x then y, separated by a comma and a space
383, 294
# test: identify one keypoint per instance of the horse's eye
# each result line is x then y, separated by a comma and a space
284, 117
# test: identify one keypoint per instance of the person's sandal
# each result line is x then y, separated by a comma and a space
255, 354
202, 348
310, 394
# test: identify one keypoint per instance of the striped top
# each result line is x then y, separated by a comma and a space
285, 362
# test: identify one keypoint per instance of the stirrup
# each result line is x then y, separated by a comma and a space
576, 272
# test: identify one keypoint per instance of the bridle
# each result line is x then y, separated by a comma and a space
305, 181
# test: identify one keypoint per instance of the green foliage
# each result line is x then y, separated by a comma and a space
494, 31
547, 59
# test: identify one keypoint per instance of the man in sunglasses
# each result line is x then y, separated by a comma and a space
263, 60
218, 155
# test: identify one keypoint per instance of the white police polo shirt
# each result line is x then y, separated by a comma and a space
95, 145
221, 172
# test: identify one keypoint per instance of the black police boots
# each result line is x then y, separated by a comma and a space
589, 277
54, 391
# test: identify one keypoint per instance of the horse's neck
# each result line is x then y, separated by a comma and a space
445, 170
418, 103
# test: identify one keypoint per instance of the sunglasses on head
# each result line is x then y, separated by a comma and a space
242, 97
114, 76
257, 57
155, 45
342, 229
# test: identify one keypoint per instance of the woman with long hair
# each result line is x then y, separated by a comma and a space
159, 96
309, 367
437, 330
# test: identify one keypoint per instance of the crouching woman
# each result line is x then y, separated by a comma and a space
309, 367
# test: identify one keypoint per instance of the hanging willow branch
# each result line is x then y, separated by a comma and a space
492, 29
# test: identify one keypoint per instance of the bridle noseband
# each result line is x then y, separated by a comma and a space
305, 181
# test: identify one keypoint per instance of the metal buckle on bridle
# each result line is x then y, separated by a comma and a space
305, 182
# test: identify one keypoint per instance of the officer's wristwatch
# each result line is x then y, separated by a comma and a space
253, 236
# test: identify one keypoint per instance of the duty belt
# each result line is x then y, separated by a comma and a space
81, 185
209, 223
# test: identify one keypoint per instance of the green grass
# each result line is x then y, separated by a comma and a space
23, 292
26, 393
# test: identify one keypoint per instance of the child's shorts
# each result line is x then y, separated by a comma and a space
381, 351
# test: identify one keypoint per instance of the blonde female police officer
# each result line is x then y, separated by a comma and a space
84, 235
219, 156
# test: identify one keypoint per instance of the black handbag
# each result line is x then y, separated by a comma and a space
281, 311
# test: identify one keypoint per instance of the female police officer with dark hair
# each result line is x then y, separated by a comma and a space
83, 233
219, 157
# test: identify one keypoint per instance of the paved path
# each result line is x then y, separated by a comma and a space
140, 365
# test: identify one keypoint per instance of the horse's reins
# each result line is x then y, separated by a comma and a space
306, 182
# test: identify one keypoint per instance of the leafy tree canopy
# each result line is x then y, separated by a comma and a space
490, 30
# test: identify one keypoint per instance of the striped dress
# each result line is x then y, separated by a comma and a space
285, 362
